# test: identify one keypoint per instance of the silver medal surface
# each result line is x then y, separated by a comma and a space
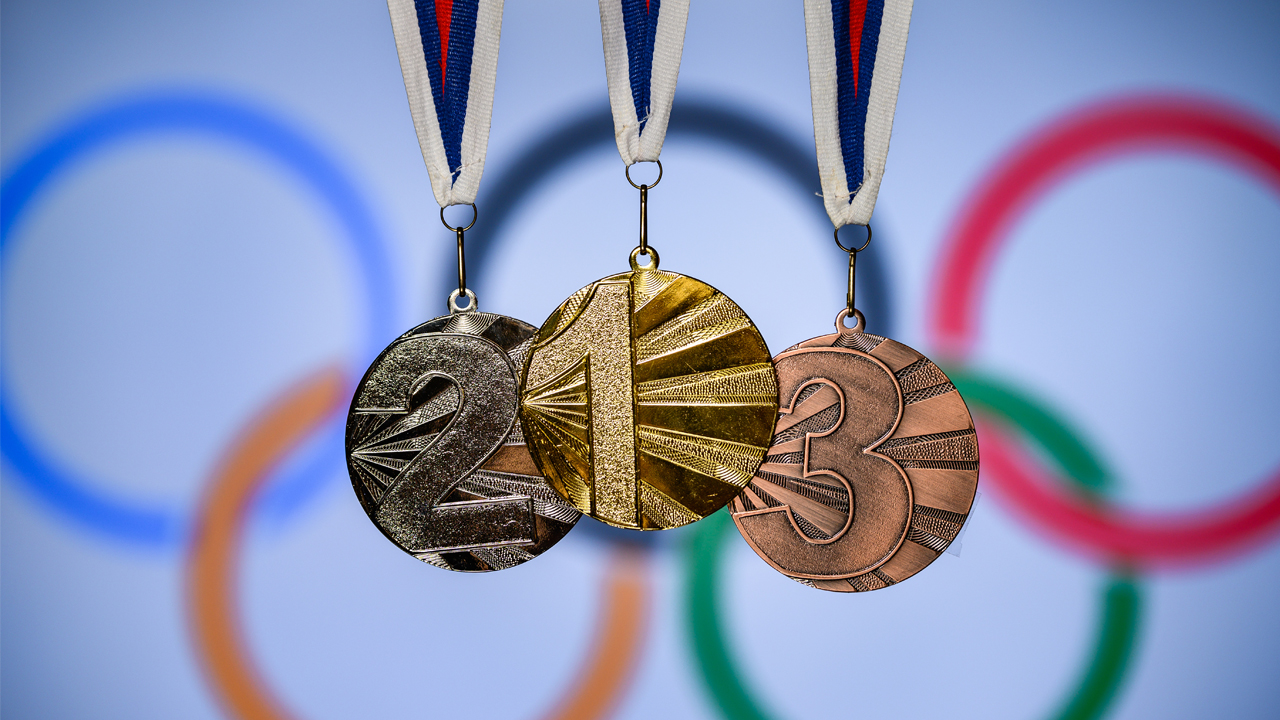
436, 456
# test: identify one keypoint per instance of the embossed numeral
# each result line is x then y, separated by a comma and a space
592, 362
412, 511
839, 459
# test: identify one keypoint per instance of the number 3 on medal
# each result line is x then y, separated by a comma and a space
411, 511
840, 459
873, 467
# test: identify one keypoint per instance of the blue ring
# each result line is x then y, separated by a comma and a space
166, 113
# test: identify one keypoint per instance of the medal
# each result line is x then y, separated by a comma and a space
648, 397
435, 454
874, 462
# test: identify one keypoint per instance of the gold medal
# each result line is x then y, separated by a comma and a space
648, 398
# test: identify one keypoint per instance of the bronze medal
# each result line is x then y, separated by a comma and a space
436, 456
648, 399
874, 463
873, 466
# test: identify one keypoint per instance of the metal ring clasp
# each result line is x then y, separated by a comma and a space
472, 305
836, 234
645, 187
474, 215
653, 259
853, 266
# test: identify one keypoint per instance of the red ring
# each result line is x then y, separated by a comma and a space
1069, 145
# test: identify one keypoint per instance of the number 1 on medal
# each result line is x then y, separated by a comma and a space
590, 366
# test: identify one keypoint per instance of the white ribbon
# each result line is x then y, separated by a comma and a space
652, 58
454, 141
852, 122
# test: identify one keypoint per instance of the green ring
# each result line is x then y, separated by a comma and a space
1120, 597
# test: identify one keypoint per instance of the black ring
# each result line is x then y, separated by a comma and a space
711, 122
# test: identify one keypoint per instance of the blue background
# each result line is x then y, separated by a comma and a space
161, 290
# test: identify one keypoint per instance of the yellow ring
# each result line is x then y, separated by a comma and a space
214, 558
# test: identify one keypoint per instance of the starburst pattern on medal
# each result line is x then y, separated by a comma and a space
709, 320
699, 367
385, 443
819, 502
691, 453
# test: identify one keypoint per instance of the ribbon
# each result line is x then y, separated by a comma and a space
643, 40
449, 57
855, 66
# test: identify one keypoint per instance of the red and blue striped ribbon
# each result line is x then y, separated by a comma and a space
856, 24
640, 21
449, 25
643, 41
448, 55
855, 65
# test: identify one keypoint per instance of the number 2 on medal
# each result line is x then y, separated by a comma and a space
411, 511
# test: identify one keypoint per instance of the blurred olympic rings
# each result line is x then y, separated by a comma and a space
184, 113
1120, 599
1049, 156
212, 570
1080, 517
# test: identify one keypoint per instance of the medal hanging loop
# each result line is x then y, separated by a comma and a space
644, 219
643, 248
449, 58
853, 266
462, 290
643, 42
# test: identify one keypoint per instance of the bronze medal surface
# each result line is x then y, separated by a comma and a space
873, 467
436, 456
648, 399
